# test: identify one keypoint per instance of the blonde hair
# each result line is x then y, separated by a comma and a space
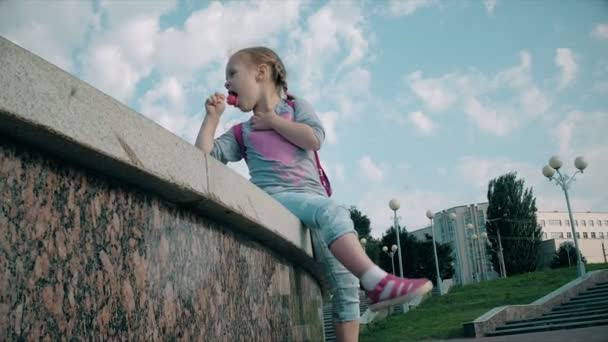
264, 55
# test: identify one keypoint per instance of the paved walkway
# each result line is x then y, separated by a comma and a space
593, 334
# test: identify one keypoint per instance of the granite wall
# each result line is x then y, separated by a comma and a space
112, 228
84, 256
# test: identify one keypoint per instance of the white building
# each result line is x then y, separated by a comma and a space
591, 231
472, 254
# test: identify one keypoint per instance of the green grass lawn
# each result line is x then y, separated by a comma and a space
442, 317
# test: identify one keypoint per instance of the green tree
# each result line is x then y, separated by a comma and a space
512, 212
361, 222
418, 256
362, 225
565, 256
426, 259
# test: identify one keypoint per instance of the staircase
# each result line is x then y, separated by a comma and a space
328, 322
589, 308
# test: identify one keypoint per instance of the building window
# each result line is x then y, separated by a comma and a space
585, 235
584, 223
555, 222
578, 235
567, 223
599, 223
569, 235
542, 223
576, 223
605, 222
601, 235
593, 235
591, 223
545, 236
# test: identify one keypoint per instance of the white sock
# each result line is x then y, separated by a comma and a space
372, 277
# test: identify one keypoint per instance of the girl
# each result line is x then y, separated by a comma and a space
280, 144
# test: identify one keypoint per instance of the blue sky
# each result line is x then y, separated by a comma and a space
422, 100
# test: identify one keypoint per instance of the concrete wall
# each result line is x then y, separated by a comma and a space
112, 227
590, 248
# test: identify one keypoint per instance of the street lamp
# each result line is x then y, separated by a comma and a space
452, 217
564, 181
430, 215
391, 254
501, 257
473, 238
394, 205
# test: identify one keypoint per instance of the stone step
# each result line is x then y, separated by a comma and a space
572, 325
581, 304
553, 321
591, 296
594, 293
577, 313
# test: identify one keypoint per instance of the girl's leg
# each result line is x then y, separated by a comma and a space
337, 230
344, 292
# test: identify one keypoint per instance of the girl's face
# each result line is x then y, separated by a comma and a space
242, 81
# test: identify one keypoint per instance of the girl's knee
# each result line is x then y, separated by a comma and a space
335, 215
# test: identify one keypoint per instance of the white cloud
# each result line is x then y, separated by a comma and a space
407, 7
482, 97
601, 87
107, 68
332, 36
340, 172
490, 6
565, 129
422, 122
166, 105
351, 92
566, 61
414, 205
478, 171
213, 33
600, 31
432, 91
329, 120
371, 170
51, 29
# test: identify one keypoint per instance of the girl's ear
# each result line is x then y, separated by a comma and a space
262, 72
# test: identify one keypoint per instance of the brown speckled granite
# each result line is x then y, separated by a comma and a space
84, 257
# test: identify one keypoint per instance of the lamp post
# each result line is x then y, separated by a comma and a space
473, 239
501, 256
430, 215
394, 205
501, 260
391, 254
564, 181
452, 217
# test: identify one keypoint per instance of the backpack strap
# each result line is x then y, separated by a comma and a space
322, 175
238, 135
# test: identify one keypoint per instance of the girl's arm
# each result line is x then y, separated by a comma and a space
205, 140
297, 133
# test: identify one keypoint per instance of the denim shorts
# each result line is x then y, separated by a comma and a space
328, 221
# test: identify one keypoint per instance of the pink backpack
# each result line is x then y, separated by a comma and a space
238, 134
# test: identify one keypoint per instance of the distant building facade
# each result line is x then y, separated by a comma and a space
471, 253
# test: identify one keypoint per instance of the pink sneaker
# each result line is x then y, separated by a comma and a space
403, 290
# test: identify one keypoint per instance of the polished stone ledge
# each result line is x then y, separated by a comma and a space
46, 107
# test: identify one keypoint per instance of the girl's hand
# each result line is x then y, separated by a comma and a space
263, 121
215, 104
